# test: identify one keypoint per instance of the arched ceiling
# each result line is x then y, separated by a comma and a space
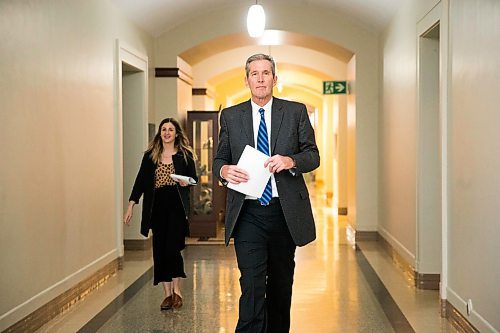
322, 63
303, 63
158, 16
271, 37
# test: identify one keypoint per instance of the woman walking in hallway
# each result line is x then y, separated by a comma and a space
165, 208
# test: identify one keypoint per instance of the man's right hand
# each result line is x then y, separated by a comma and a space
233, 174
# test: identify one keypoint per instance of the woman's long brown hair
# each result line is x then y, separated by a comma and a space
181, 143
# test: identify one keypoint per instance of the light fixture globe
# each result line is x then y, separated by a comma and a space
256, 21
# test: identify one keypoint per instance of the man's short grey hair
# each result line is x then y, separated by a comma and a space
260, 56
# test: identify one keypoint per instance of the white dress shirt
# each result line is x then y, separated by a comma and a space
256, 124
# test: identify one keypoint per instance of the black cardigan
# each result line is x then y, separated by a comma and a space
145, 184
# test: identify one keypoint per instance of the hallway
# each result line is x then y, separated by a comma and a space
336, 289
409, 149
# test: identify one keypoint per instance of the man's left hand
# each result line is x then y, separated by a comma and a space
278, 163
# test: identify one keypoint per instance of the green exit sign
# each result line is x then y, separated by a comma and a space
334, 87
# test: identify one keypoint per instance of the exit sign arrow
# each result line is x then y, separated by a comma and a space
339, 88
334, 87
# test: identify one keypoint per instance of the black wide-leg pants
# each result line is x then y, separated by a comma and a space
169, 227
265, 253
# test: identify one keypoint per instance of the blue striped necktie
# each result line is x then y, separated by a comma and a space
263, 146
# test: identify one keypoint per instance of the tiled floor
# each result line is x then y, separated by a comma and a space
337, 289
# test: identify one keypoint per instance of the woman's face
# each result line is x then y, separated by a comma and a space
168, 133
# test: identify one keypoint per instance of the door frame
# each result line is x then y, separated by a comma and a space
125, 54
438, 15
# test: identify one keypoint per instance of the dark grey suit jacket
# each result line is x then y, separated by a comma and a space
291, 135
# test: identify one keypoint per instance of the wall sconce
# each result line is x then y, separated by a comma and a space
256, 20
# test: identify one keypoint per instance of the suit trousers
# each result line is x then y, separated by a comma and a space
265, 252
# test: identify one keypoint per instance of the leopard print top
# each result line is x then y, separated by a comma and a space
162, 175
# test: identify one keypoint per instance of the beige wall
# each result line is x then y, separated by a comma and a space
58, 214
351, 143
471, 263
342, 164
204, 103
327, 147
474, 160
165, 98
174, 94
398, 133
184, 90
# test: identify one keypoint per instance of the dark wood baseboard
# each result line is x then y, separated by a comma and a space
398, 259
66, 300
427, 281
420, 280
459, 322
137, 244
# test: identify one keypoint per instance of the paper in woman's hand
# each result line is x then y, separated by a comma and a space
252, 161
185, 179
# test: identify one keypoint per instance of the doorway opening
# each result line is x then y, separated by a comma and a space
429, 221
131, 138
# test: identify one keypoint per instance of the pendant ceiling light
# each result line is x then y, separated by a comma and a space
256, 20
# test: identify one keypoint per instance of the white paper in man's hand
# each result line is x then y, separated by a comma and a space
252, 161
185, 179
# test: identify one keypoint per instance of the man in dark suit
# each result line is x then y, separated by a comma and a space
266, 232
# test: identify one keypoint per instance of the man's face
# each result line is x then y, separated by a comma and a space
260, 80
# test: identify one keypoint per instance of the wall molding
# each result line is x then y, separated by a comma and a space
125, 54
166, 72
407, 268
400, 248
456, 319
456, 312
67, 299
427, 281
452, 308
200, 91
203, 92
59, 287
420, 280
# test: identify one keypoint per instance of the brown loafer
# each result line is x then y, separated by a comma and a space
167, 303
177, 301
